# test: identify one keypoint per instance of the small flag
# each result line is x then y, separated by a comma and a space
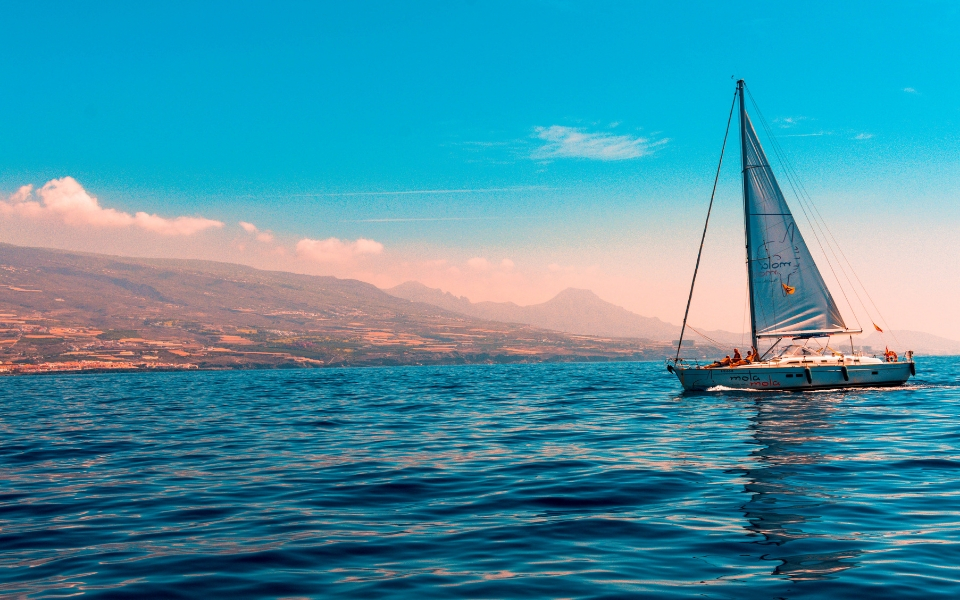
788, 289
877, 327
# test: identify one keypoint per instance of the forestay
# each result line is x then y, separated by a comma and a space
789, 294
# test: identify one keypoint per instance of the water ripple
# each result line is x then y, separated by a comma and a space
590, 480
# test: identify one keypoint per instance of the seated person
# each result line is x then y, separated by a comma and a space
738, 361
720, 363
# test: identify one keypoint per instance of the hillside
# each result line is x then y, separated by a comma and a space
57, 305
572, 310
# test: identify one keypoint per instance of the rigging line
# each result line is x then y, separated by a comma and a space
686, 312
870, 298
770, 348
804, 197
793, 181
806, 205
829, 236
852, 270
850, 266
813, 227
819, 223
834, 249
705, 336
743, 321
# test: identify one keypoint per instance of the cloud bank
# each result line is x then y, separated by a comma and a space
66, 200
479, 263
333, 250
262, 236
571, 142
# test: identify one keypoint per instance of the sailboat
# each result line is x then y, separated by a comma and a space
792, 312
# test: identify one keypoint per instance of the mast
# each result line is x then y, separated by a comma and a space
746, 214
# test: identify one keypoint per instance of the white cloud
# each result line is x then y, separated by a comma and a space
479, 263
863, 136
910, 90
507, 263
66, 200
262, 236
788, 122
333, 250
571, 142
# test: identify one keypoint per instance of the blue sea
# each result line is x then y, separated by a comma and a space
572, 480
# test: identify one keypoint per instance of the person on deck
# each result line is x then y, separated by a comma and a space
720, 363
737, 359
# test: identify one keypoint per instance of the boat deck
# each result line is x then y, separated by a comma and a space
829, 373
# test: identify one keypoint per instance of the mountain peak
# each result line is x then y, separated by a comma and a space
573, 310
415, 291
577, 294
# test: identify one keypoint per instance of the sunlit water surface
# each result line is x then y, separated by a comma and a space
586, 480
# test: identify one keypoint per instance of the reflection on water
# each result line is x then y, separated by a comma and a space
787, 430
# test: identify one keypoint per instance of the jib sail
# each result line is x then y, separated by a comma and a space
788, 294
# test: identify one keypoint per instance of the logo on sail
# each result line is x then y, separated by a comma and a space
788, 289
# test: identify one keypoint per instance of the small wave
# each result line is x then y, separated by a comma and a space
514, 482
929, 463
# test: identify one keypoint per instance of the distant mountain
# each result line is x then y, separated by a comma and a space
111, 291
64, 306
918, 341
572, 310
583, 312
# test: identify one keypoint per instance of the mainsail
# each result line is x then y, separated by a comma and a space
788, 294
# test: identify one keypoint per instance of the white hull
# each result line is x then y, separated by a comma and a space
798, 377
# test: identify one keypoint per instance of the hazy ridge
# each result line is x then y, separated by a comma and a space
573, 310
583, 312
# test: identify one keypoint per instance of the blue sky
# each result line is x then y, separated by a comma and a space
597, 125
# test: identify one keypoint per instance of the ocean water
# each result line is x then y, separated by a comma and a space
577, 480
